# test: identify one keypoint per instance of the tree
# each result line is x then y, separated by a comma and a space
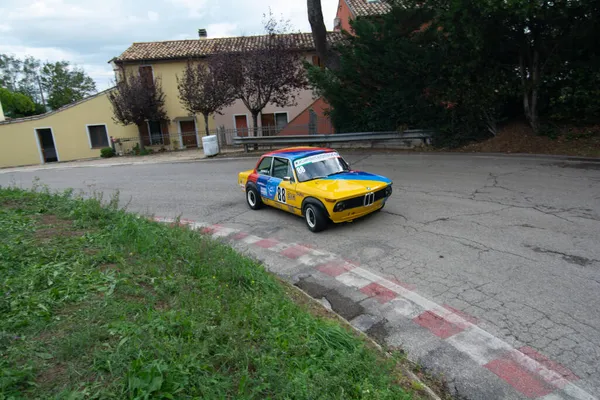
135, 101
205, 89
328, 57
384, 75
16, 105
65, 84
28, 79
271, 72
537, 42
10, 67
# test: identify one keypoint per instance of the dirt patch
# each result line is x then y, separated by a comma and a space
519, 138
52, 375
55, 227
109, 267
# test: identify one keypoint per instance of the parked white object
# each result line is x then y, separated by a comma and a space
210, 145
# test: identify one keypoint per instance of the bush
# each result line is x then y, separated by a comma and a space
107, 152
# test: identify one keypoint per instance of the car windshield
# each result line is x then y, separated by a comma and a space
319, 166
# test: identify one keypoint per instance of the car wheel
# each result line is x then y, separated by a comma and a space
315, 218
253, 198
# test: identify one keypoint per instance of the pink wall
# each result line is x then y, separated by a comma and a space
299, 125
345, 15
303, 100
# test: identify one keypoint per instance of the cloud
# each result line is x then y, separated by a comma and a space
195, 8
91, 32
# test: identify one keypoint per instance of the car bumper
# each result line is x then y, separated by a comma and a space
357, 212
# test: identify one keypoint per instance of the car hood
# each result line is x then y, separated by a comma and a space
348, 184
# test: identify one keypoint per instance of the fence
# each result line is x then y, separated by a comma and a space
225, 137
408, 138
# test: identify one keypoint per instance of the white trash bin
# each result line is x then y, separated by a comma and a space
210, 145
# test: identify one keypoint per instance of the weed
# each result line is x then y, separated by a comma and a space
130, 308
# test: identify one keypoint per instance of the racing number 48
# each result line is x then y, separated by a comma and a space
281, 195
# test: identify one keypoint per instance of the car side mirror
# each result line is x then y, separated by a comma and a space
287, 178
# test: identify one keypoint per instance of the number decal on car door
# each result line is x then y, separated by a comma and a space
281, 195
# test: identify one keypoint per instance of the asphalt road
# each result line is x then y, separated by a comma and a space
511, 241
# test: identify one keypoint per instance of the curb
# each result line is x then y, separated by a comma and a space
430, 393
446, 341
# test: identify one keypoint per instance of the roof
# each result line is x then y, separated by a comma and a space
361, 8
294, 153
49, 113
184, 49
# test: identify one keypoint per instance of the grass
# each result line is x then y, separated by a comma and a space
99, 303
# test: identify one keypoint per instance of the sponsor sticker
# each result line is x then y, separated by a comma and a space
263, 191
315, 158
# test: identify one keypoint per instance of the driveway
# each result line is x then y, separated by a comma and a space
509, 243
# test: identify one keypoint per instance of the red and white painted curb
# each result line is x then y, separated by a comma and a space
527, 371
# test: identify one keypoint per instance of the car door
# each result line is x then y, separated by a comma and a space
263, 169
282, 186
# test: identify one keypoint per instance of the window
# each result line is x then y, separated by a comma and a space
264, 168
281, 168
98, 136
281, 120
147, 74
316, 61
156, 135
272, 123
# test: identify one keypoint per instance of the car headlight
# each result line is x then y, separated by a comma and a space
388, 191
339, 207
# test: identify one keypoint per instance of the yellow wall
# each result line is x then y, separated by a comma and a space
18, 140
168, 71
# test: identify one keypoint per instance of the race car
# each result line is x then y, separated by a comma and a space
314, 183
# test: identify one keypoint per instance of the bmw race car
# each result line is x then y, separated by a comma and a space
314, 183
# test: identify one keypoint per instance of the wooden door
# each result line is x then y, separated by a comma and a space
188, 133
268, 124
241, 125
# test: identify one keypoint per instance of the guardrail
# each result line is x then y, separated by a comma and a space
327, 140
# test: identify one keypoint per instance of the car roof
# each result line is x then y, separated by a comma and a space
294, 153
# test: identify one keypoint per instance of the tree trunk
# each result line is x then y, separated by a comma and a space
206, 130
254, 124
535, 82
255, 127
319, 34
530, 80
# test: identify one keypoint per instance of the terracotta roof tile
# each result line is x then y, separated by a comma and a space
182, 49
361, 8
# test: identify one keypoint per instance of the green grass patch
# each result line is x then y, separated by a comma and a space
99, 303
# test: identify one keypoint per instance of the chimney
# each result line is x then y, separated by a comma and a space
202, 33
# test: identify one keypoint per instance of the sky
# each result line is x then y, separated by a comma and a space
88, 33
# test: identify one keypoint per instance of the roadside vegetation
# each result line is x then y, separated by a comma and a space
466, 68
99, 303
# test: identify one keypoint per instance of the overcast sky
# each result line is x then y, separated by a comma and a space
90, 32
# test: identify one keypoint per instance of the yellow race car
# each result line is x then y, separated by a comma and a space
314, 183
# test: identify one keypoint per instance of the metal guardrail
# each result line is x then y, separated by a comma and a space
414, 134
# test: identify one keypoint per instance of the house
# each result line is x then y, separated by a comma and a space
73, 132
349, 10
168, 59
79, 130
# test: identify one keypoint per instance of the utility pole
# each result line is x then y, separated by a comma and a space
41, 92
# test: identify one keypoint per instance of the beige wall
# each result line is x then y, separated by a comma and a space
168, 71
18, 139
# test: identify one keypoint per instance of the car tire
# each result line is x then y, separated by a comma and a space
315, 218
253, 198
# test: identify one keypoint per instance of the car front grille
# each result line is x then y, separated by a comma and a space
360, 201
